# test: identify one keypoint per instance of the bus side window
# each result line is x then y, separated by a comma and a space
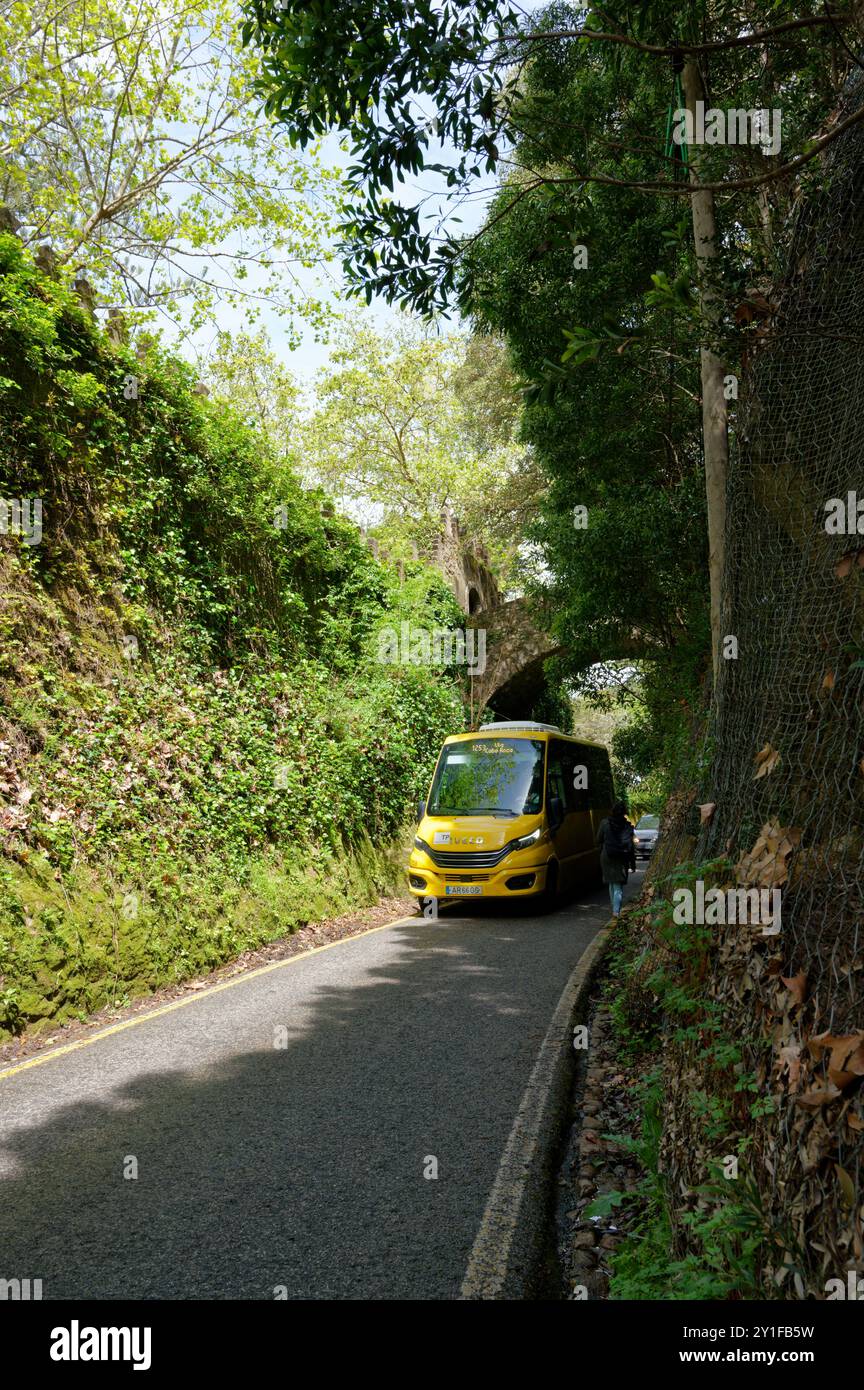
577, 777
555, 779
600, 781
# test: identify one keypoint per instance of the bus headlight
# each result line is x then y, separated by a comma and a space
525, 840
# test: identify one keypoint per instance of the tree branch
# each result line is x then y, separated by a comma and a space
759, 36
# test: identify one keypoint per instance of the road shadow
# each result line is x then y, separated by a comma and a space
574, 903
306, 1166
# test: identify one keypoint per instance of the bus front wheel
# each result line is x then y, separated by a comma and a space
549, 896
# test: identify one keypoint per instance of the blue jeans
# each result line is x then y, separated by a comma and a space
616, 893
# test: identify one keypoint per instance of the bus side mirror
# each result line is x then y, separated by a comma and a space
421, 811
555, 813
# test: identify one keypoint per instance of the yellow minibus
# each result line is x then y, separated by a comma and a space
512, 811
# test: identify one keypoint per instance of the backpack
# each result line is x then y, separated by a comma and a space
617, 839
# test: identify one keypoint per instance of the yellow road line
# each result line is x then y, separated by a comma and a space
193, 999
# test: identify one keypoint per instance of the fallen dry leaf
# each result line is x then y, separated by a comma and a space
847, 1186
817, 1096
797, 985
766, 761
846, 1062
706, 811
847, 563
828, 681
765, 864
789, 1059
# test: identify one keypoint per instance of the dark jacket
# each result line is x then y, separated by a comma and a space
615, 870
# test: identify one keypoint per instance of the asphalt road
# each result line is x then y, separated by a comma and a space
298, 1167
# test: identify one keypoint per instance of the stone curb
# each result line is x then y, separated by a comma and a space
513, 1233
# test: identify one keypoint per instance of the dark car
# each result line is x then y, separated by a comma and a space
645, 837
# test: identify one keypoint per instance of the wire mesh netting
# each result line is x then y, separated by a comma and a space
788, 732
785, 744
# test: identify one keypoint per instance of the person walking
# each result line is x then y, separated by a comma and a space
617, 853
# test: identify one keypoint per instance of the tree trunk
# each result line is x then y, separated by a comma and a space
715, 438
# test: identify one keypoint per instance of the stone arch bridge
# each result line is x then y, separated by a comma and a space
516, 645
516, 648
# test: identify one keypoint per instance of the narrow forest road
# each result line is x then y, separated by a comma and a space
298, 1166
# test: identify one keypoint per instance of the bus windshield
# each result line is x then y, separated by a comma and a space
488, 776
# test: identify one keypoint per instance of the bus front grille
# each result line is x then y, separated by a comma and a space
470, 859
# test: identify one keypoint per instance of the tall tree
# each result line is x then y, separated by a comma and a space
715, 431
403, 75
395, 433
133, 144
243, 370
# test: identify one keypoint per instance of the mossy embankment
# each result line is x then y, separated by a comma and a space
74, 944
199, 751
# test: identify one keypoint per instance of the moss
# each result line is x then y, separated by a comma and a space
82, 953
32, 1005
213, 772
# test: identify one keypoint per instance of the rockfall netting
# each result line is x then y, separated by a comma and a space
785, 749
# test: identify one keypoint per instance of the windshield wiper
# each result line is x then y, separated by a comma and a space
488, 811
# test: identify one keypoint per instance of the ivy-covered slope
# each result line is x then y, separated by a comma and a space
198, 748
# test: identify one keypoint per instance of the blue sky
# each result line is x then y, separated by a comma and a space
327, 283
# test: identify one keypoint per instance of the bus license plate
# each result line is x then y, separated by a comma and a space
464, 889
